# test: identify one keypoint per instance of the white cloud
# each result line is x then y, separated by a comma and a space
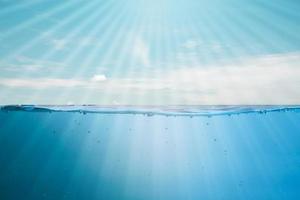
40, 83
59, 44
87, 41
216, 47
272, 79
26, 64
192, 43
98, 77
196, 43
69, 103
63, 43
141, 51
50, 83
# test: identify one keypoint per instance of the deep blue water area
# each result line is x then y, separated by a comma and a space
90, 152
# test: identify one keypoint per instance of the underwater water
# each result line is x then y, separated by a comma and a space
90, 152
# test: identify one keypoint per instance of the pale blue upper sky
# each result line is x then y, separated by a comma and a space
150, 52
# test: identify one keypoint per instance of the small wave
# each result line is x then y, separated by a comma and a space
154, 110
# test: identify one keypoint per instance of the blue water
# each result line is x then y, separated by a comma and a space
206, 152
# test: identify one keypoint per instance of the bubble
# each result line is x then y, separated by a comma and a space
149, 114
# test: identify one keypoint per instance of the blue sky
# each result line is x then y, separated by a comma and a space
149, 52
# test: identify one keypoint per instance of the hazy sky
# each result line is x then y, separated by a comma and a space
149, 52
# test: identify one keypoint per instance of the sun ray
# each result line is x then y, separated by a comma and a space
53, 51
90, 20
23, 26
119, 38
